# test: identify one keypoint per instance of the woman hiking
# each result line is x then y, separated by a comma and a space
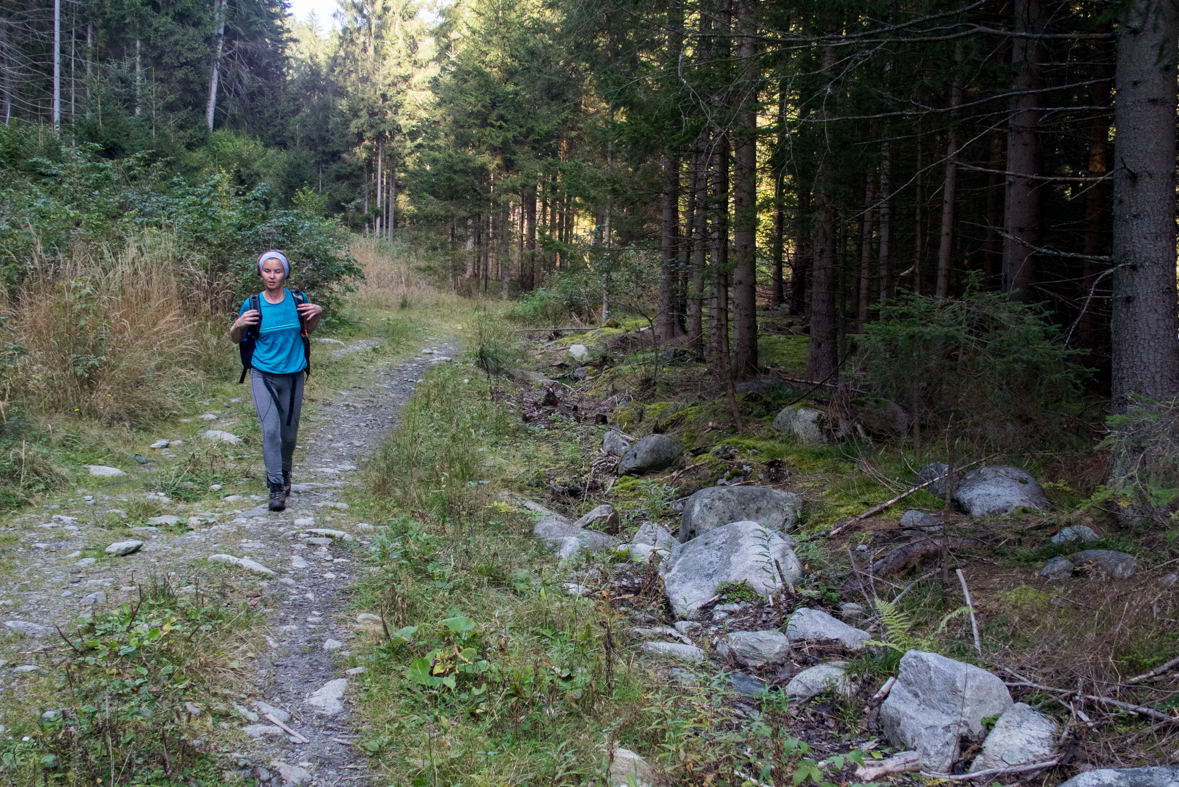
278, 324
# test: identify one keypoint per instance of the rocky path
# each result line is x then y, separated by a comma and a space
298, 564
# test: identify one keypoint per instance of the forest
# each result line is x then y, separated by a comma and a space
841, 262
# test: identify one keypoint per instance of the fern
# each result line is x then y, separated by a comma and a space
898, 628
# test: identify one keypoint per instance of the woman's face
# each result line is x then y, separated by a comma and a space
273, 274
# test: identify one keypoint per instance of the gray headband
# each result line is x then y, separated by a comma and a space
275, 254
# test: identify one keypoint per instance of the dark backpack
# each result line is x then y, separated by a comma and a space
250, 341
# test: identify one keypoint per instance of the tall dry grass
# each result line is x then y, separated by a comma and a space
393, 278
116, 335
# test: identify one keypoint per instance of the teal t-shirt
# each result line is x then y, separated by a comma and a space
279, 349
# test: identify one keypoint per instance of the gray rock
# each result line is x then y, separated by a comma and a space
574, 589
86, 561
244, 562
121, 548
218, 436
549, 530
1169, 580
652, 539
628, 768
329, 533
103, 471
527, 377
26, 668
1021, 736
935, 702
93, 599
291, 774
298, 562
1164, 776
257, 731
332, 644
675, 649
719, 505
746, 685
603, 518
852, 613
579, 352
614, 443
1115, 565
590, 541
737, 552
329, 698
882, 418
999, 490
167, 519
1057, 568
808, 623
29, 629
1075, 533
519, 501
809, 426
816, 680
277, 713
246, 712
650, 455
931, 471
755, 648
919, 520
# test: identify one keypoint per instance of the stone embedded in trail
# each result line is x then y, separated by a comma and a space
257, 731
29, 629
808, 425
936, 702
736, 552
755, 648
278, 713
650, 455
122, 548
603, 518
218, 436
652, 539
1075, 533
167, 519
103, 471
1115, 565
627, 768
244, 562
746, 685
808, 623
329, 533
209, 417
999, 490
298, 562
675, 649
292, 775
614, 443
92, 599
1058, 568
719, 505
160, 444
329, 698
332, 644
1164, 776
816, 680
1021, 736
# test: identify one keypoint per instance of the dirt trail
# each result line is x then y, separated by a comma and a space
303, 578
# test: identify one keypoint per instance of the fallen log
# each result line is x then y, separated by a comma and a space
913, 552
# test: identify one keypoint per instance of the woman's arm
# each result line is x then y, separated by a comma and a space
245, 321
310, 314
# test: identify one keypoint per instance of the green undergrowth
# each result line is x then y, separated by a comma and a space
133, 698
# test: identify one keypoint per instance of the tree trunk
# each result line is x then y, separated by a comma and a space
1145, 353
218, 45
718, 258
992, 256
882, 261
57, 66
777, 285
392, 201
699, 249
1021, 221
745, 206
138, 77
528, 259
824, 339
865, 287
668, 325
949, 191
803, 258
919, 212
1095, 200
5, 74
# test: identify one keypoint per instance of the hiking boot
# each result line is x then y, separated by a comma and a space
278, 500
286, 483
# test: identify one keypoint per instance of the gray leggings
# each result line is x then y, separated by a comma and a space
278, 398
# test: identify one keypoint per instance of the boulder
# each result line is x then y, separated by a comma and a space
809, 426
736, 552
603, 518
1057, 568
816, 680
1163, 776
881, 418
652, 539
579, 352
852, 613
1022, 736
626, 768
999, 490
929, 473
650, 455
808, 623
719, 505
121, 548
746, 685
567, 539
1075, 533
755, 648
675, 649
936, 702
919, 520
614, 443
1115, 565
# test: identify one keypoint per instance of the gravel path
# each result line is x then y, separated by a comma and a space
302, 562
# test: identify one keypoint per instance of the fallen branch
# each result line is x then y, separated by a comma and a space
679, 473
910, 553
1154, 673
273, 720
900, 497
904, 762
1035, 766
973, 619
1149, 712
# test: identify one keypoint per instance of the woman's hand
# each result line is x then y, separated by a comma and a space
246, 320
309, 313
